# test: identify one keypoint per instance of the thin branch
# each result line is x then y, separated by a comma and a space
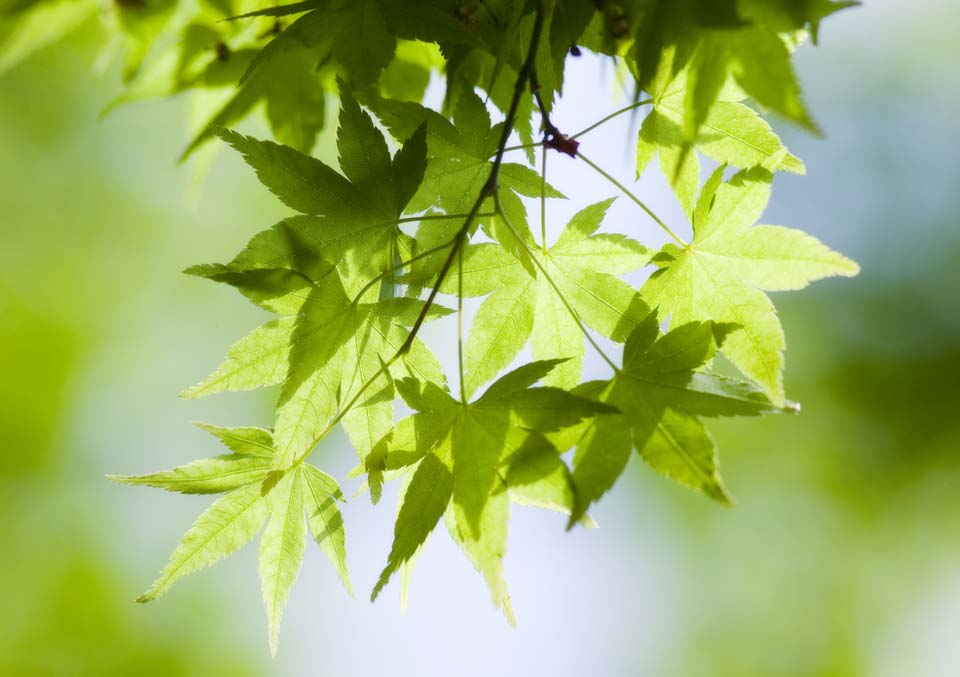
346, 409
523, 77
488, 190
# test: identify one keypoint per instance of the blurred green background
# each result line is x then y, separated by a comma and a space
841, 559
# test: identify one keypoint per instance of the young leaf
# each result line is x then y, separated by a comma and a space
257, 360
722, 274
282, 545
523, 306
321, 494
232, 521
334, 350
208, 476
726, 131
463, 458
356, 214
662, 392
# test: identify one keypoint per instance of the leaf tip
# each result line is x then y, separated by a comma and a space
718, 492
147, 596
191, 393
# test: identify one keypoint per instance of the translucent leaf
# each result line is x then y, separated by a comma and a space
228, 524
282, 545
326, 523
207, 476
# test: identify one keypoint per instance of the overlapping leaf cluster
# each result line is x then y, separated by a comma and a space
411, 223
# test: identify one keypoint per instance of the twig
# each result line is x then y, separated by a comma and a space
488, 190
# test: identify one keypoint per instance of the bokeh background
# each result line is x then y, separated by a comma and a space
842, 558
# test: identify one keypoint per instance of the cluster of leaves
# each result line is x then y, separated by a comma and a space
373, 245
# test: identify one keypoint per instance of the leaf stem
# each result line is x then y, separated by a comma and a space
523, 146
543, 199
399, 266
437, 217
633, 197
463, 389
625, 109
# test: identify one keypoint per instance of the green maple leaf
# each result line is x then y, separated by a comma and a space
322, 355
28, 27
351, 218
210, 58
723, 273
335, 342
302, 496
335, 348
717, 42
731, 133
522, 305
758, 60
784, 16
289, 85
468, 457
355, 34
257, 360
460, 161
662, 391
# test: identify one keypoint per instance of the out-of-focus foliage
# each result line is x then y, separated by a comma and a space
68, 619
69, 287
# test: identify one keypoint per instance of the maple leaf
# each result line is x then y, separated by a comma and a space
355, 34
336, 347
322, 355
522, 304
662, 392
783, 16
351, 218
469, 456
290, 86
758, 60
459, 163
29, 27
302, 496
723, 273
731, 133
